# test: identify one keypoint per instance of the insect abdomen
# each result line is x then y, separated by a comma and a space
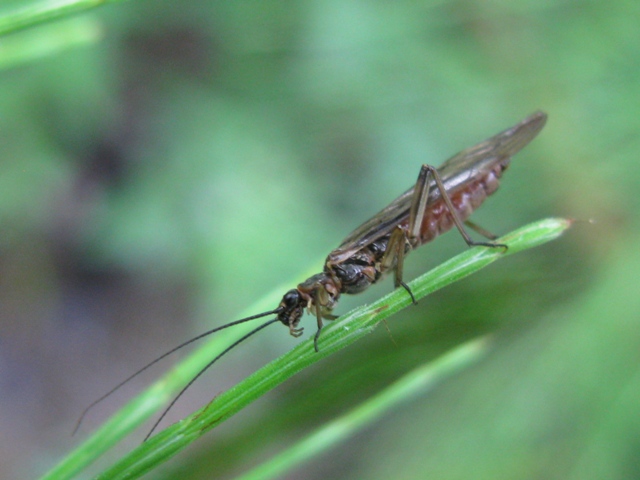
437, 219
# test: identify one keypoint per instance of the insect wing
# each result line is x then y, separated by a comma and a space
456, 173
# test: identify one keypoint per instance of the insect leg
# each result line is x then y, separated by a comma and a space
394, 258
419, 200
452, 211
478, 229
320, 325
394, 255
321, 301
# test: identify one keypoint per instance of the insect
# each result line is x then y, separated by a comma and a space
441, 198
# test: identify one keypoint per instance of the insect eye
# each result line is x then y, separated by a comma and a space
291, 298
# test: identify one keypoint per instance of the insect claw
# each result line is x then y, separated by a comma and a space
296, 332
315, 340
498, 245
406, 287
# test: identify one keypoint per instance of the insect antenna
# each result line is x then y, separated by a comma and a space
184, 344
205, 368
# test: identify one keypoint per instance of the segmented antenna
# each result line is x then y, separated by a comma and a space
204, 369
184, 344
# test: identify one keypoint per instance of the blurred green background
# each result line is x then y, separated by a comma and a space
164, 164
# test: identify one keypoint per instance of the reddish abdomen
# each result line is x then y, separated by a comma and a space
437, 219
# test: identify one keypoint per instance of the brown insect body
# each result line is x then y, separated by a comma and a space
441, 199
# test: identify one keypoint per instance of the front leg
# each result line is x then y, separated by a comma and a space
322, 304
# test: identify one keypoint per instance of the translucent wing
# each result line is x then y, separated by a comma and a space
457, 172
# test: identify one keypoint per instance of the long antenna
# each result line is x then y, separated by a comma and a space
204, 369
150, 364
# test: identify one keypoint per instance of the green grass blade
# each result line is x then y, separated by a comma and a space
44, 11
339, 334
411, 385
30, 46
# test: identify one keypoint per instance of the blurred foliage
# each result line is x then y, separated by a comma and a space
165, 163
